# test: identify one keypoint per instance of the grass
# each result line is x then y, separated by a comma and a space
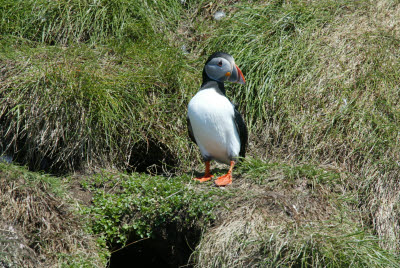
102, 111
300, 215
93, 85
107, 96
66, 22
289, 98
323, 89
39, 225
294, 247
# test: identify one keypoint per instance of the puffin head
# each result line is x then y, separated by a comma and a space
221, 67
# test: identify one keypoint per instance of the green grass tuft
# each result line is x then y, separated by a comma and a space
66, 22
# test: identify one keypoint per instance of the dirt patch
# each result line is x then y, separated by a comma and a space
79, 192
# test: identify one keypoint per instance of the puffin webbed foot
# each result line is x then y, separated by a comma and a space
227, 178
224, 180
204, 178
207, 175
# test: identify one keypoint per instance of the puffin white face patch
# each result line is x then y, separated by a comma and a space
217, 69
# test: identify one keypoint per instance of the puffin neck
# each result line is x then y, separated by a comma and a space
208, 83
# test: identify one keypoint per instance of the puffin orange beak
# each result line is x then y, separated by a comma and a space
241, 79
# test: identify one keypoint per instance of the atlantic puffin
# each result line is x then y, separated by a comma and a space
214, 123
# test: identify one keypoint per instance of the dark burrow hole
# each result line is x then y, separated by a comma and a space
168, 248
42, 162
152, 157
148, 157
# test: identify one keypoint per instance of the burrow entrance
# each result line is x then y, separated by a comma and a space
168, 248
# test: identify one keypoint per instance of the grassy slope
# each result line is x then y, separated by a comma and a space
40, 225
97, 85
114, 86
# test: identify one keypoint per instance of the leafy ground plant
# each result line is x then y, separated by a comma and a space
137, 205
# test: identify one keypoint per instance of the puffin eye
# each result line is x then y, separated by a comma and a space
220, 63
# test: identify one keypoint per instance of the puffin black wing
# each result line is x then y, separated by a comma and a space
190, 130
243, 133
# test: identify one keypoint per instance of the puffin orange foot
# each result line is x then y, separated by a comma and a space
224, 180
204, 178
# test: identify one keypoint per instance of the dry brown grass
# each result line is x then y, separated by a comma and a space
272, 221
38, 228
383, 204
295, 217
351, 42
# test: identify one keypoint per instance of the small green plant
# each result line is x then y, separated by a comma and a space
138, 205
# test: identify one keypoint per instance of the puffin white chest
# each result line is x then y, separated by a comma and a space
211, 115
